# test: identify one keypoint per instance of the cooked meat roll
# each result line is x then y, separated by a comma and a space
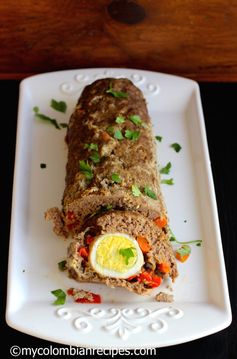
112, 193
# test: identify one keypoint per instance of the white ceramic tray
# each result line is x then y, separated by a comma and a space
123, 320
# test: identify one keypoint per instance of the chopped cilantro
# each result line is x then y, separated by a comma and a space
136, 119
176, 147
91, 146
110, 130
60, 295
158, 138
132, 135
169, 181
85, 168
166, 170
136, 191
120, 119
116, 93
118, 135
95, 157
116, 178
45, 118
62, 265
127, 253
43, 165
149, 192
60, 106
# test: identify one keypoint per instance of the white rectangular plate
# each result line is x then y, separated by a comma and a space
123, 320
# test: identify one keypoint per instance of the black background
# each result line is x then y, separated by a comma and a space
219, 105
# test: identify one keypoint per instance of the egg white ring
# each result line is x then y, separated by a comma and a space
104, 272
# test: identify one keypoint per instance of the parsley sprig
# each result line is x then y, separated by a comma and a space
173, 238
86, 169
119, 94
60, 106
60, 295
166, 170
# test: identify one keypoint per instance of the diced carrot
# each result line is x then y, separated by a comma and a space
143, 244
83, 252
180, 257
161, 221
70, 291
164, 267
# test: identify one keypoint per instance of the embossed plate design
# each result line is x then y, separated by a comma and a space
123, 320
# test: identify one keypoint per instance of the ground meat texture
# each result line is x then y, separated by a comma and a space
133, 160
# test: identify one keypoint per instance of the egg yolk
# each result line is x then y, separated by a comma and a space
108, 254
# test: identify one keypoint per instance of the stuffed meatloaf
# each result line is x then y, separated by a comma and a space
112, 204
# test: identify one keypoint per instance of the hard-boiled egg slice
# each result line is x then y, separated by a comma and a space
116, 255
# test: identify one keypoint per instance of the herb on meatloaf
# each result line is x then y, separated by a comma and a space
118, 135
86, 169
148, 192
166, 170
110, 130
136, 120
120, 119
43, 165
169, 181
114, 93
91, 146
176, 146
158, 138
127, 253
60, 106
62, 266
136, 191
95, 157
132, 135
45, 118
60, 295
116, 178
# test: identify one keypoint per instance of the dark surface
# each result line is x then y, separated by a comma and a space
219, 105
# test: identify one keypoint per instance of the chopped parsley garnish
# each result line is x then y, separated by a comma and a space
169, 181
95, 157
108, 207
60, 295
43, 117
62, 265
85, 168
172, 238
120, 119
64, 125
43, 165
127, 253
166, 170
118, 135
176, 147
110, 130
136, 191
60, 106
158, 138
116, 178
132, 135
149, 192
91, 146
136, 119
114, 93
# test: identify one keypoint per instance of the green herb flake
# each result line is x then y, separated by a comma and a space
43, 165
116, 178
173, 238
64, 125
176, 147
85, 168
184, 250
136, 120
62, 266
114, 93
95, 157
60, 295
110, 130
166, 170
148, 192
169, 181
158, 138
132, 135
91, 146
198, 244
45, 118
136, 191
120, 119
109, 207
60, 106
118, 135
127, 253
